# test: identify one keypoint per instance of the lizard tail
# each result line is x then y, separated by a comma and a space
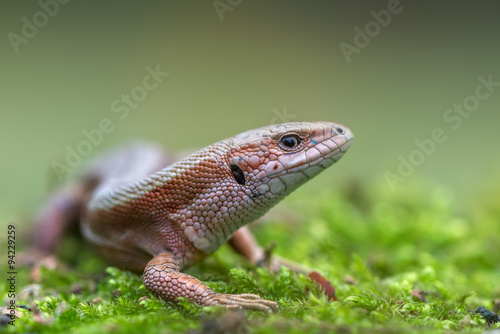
59, 214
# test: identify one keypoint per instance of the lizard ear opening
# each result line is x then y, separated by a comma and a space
238, 174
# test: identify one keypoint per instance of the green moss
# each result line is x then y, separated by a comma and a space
379, 253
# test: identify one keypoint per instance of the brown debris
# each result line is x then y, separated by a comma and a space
325, 285
496, 305
96, 300
465, 321
419, 294
30, 291
229, 322
40, 318
142, 298
8, 311
350, 280
76, 289
50, 262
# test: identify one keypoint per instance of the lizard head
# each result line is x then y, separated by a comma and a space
237, 180
272, 161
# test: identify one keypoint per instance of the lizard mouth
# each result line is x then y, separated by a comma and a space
334, 155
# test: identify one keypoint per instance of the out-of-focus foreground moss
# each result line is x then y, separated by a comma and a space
400, 264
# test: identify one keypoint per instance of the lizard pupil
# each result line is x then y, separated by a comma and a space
238, 174
290, 141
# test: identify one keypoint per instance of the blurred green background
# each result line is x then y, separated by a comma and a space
244, 65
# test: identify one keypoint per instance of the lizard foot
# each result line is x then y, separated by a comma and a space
163, 278
241, 301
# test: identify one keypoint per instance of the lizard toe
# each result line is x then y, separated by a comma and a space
244, 301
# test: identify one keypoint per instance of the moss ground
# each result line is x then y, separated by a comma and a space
411, 263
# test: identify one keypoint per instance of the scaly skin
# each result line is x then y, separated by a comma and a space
140, 215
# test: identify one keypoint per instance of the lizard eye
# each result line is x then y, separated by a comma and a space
238, 174
290, 141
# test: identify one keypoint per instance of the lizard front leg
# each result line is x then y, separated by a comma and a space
244, 243
163, 278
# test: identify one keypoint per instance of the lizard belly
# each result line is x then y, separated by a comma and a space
130, 241
115, 252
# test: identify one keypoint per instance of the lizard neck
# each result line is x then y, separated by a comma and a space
197, 197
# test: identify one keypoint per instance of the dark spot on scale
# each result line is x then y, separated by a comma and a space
275, 167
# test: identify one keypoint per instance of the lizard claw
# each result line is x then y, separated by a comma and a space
242, 301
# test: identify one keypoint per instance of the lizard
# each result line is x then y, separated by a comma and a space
144, 212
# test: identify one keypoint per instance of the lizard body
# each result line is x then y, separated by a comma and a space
143, 216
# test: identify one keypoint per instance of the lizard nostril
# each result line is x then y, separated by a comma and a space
340, 131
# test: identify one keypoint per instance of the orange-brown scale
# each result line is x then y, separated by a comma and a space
148, 220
